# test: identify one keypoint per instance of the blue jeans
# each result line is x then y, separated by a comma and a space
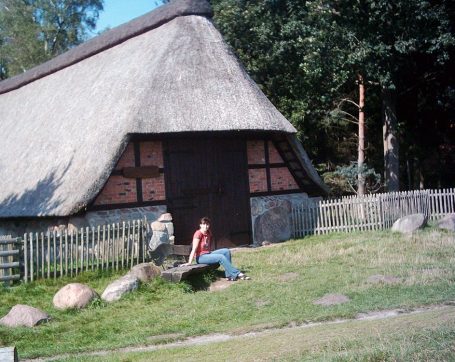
222, 256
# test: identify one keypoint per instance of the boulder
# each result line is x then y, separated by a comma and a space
332, 299
74, 296
159, 254
158, 237
24, 316
145, 272
158, 226
119, 287
447, 222
409, 223
273, 225
169, 227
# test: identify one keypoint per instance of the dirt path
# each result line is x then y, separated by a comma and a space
215, 338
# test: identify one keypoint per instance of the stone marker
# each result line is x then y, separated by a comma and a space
24, 316
145, 272
409, 223
119, 287
273, 225
332, 299
447, 222
74, 296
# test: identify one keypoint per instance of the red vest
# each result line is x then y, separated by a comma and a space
204, 243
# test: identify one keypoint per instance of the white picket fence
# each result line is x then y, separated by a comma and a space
66, 253
369, 212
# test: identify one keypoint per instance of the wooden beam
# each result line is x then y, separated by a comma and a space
141, 172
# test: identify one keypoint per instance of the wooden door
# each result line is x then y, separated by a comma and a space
208, 177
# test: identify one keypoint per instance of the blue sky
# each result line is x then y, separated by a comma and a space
117, 12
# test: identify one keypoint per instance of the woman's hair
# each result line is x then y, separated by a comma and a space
205, 220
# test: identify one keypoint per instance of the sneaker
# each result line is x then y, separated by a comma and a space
242, 276
231, 279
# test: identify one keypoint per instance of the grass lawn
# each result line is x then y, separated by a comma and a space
428, 336
287, 278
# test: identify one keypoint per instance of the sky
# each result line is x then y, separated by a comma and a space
117, 12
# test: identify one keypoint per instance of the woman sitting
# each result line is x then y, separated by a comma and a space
201, 250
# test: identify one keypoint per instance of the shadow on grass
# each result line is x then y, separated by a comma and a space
200, 282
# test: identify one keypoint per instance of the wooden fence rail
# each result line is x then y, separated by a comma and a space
10, 259
369, 212
115, 246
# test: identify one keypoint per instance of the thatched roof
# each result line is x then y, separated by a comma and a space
65, 123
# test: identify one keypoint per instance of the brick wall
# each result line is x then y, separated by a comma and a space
117, 190
255, 151
153, 188
121, 190
151, 154
127, 159
258, 180
274, 156
281, 178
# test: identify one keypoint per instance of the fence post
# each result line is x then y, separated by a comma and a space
31, 257
123, 244
25, 259
37, 254
93, 249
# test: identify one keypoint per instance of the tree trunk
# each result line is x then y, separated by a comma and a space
409, 173
391, 148
361, 150
421, 178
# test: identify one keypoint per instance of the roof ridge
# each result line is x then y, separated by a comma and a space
109, 39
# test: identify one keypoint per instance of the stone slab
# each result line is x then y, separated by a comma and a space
180, 273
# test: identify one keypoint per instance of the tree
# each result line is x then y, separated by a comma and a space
391, 35
360, 121
19, 45
33, 31
305, 56
346, 179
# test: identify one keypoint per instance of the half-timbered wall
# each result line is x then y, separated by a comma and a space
267, 172
140, 159
273, 191
272, 186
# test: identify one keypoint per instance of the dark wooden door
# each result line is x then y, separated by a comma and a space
208, 177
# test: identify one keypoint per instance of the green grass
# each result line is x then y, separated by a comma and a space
287, 278
428, 336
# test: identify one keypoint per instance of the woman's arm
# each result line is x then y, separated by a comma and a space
196, 242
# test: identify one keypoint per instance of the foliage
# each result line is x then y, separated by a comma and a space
344, 179
33, 31
305, 56
286, 279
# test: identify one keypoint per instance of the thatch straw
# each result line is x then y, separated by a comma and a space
64, 132
109, 39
